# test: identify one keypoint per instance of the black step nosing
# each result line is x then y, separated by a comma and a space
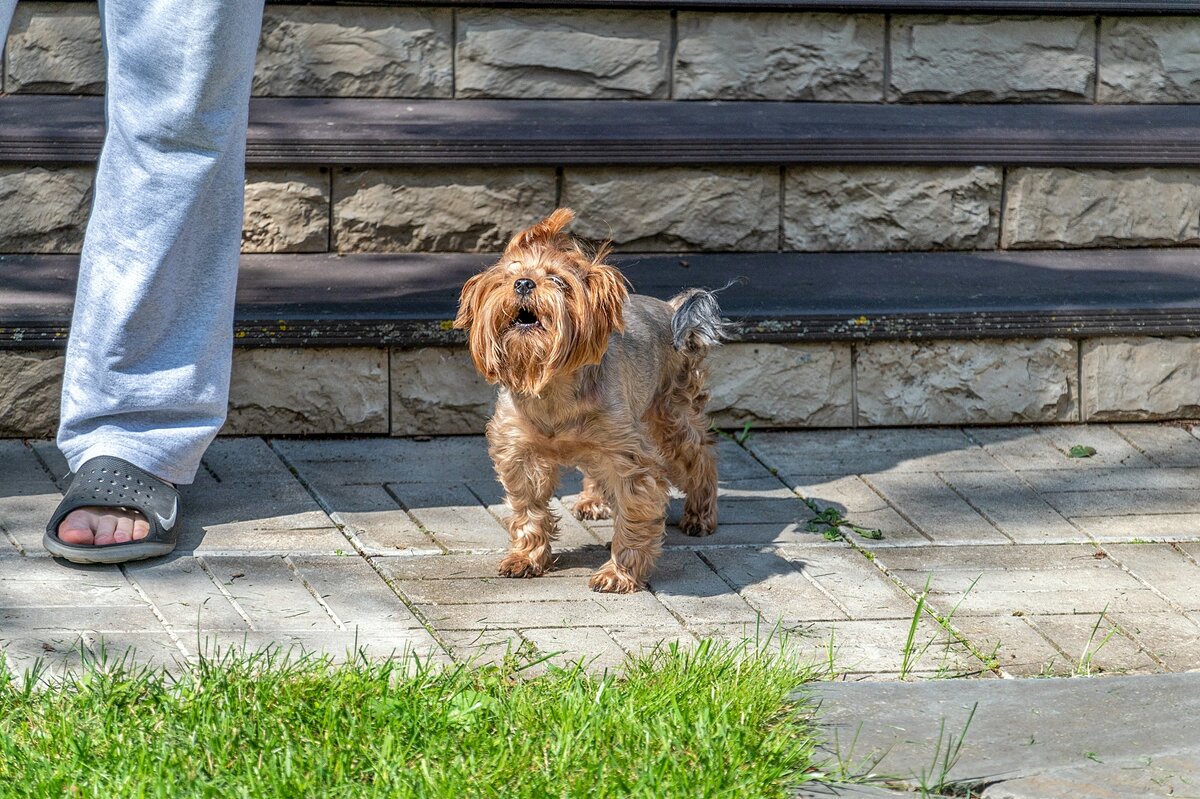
368, 131
409, 300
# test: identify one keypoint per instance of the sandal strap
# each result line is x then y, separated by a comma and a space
111, 482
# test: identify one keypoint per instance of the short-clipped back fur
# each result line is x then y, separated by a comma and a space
594, 377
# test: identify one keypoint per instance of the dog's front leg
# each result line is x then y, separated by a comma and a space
639, 491
529, 482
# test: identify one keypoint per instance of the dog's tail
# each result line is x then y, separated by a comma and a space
697, 323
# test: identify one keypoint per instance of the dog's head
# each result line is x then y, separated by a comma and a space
546, 308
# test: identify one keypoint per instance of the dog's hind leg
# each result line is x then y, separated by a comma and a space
592, 503
679, 425
529, 481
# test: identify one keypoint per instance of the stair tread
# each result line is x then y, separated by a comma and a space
370, 131
410, 299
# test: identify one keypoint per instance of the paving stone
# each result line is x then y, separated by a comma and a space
786, 56
590, 645
1017, 649
979, 558
492, 589
646, 209
1166, 445
578, 563
23, 517
1127, 478
355, 594
1165, 774
1094, 644
20, 622
857, 208
270, 593
186, 596
374, 518
770, 515
685, 584
1146, 527
30, 386
453, 459
315, 51
545, 53
337, 646
992, 59
306, 391
645, 642
1022, 448
1009, 504
54, 48
966, 382
483, 647
852, 581
934, 509
1148, 60
851, 496
41, 583
734, 463
1174, 640
775, 587
1164, 568
781, 385
452, 515
1016, 728
844, 452
1134, 502
63, 652
590, 610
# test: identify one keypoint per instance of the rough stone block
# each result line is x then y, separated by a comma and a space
676, 208
287, 210
891, 208
54, 48
781, 385
1063, 208
1149, 60
418, 210
783, 56
437, 391
966, 382
531, 53
992, 59
1141, 378
44, 210
304, 391
30, 384
355, 52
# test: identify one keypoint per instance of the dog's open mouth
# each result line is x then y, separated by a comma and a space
526, 320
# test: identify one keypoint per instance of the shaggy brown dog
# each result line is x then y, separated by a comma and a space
593, 377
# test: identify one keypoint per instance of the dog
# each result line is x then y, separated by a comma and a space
594, 377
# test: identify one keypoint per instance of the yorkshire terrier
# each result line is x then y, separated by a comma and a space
594, 377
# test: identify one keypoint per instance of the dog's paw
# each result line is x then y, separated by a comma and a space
698, 524
518, 565
592, 508
611, 580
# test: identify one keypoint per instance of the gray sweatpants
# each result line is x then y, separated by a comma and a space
148, 358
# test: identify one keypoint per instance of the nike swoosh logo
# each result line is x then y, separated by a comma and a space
168, 523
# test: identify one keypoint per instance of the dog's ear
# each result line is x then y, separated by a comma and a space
547, 230
601, 314
468, 303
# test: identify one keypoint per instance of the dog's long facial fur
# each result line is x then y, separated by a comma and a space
560, 325
596, 378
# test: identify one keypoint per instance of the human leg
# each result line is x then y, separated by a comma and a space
147, 367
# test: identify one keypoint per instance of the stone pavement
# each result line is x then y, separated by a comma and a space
1025, 560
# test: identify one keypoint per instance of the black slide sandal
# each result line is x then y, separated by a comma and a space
108, 482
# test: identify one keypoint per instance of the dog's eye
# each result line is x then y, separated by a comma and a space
558, 281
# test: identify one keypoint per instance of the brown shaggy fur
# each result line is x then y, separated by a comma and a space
594, 377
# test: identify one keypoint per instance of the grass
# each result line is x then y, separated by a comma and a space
714, 720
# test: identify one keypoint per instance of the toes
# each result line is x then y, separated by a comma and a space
124, 530
77, 528
592, 510
106, 530
141, 529
516, 565
610, 580
697, 525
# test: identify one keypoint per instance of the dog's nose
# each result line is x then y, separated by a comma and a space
524, 286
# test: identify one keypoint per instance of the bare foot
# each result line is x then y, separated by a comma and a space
102, 526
